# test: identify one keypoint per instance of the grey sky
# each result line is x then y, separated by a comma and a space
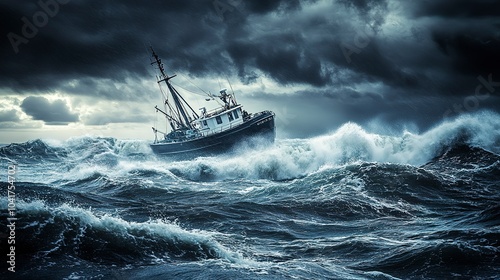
318, 64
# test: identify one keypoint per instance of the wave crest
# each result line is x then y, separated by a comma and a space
103, 238
350, 143
286, 159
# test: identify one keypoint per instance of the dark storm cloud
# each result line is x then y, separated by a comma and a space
94, 39
55, 112
377, 58
9, 116
317, 112
284, 61
458, 8
105, 40
471, 54
269, 6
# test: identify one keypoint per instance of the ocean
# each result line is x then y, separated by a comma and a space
350, 204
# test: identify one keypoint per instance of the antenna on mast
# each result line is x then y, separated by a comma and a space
232, 91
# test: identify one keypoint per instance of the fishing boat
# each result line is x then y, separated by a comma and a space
214, 131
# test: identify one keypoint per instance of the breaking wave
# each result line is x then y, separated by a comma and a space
293, 158
350, 204
66, 230
85, 157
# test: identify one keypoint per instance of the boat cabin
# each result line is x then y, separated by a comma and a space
220, 121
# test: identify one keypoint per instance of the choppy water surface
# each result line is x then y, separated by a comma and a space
346, 205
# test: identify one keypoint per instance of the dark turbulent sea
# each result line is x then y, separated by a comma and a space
346, 205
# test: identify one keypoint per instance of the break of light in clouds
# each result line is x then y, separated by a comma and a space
80, 67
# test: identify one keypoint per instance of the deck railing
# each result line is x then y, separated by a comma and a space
225, 127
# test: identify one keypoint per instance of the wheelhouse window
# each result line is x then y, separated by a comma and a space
218, 119
230, 116
205, 123
235, 112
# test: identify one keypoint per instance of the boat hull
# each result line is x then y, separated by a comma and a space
261, 126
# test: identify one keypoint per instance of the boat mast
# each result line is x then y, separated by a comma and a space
181, 111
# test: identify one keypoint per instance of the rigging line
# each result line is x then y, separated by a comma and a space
177, 85
234, 96
178, 104
167, 106
208, 94
166, 103
156, 120
194, 85
216, 100
163, 95
172, 111
186, 103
